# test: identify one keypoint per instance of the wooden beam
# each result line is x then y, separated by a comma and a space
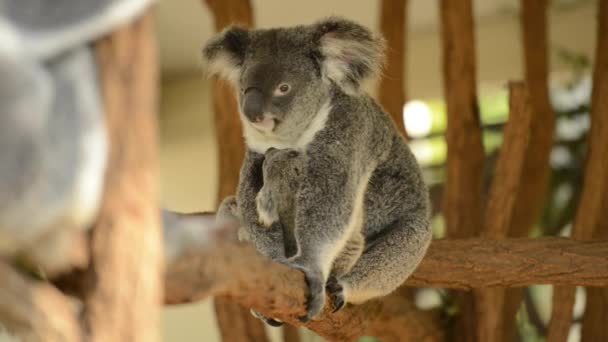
235, 322
124, 289
391, 92
507, 182
462, 201
590, 217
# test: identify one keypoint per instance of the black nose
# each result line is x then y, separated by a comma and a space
253, 104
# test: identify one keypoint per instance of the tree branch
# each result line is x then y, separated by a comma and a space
465, 160
220, 266
123, 288
35, 311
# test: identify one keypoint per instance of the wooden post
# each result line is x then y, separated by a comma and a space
590, 218
235, 322
391, 93
507, 182
124, 289
531, 198
462, 202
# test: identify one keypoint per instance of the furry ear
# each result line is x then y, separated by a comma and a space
350, 53
225, 53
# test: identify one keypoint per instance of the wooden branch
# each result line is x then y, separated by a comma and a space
461, 264
124, 280
391, 93
531, 198
536, 169
236, 271
462, 197
235, 323
223, 267
34, 310
594, 198
507, 182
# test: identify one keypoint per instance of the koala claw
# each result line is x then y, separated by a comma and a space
316, 289
270, 321
335, 291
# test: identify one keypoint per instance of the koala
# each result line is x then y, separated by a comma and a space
282, 170
300, 88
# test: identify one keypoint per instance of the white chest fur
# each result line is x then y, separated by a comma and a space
260, 142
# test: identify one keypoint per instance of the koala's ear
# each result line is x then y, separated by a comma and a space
225, 53
349, 53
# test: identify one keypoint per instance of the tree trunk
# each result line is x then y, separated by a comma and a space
124, 291
590, 218
507, 182
235, 322
391, 93
462, 202
531, 197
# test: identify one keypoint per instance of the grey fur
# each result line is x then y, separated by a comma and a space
358, 175
282, 173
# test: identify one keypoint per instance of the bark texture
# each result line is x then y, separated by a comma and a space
235, 322
462, 202
124, 289
507, 182
233, 270
34, 310
531, 197
590, 218
393, 25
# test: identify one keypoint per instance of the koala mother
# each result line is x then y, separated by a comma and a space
299, 88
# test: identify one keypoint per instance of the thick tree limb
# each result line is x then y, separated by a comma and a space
223, 267
123, 284
462, 198
35, 311
594, 198
235, 271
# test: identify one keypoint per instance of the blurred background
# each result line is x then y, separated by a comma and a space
188, 142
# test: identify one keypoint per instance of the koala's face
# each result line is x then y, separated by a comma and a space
284, 76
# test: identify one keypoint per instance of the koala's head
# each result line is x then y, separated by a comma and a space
284, 164
284, 76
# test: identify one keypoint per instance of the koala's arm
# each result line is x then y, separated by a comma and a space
268, 241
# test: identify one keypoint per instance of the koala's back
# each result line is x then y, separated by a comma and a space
396, 189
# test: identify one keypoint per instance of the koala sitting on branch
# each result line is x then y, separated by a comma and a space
282, 171
300, 88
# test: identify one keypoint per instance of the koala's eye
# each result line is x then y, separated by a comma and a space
282, 89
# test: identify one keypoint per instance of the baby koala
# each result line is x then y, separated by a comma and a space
282, 173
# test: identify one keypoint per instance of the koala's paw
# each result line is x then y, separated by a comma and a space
335, 291
316, 289
267, 210
270, 321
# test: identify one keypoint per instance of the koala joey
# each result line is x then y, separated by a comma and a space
282, 170
300, 88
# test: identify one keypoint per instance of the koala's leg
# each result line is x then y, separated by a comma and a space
342, 265
349, 255
387, 261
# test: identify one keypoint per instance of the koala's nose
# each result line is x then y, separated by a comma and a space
253, 104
